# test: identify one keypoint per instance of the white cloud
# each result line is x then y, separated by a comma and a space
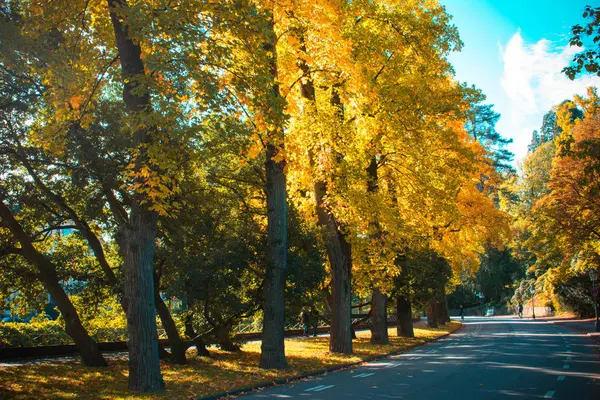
533, 82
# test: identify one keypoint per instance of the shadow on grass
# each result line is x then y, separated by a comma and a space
202, 376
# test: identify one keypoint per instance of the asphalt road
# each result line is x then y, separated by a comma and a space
490, 358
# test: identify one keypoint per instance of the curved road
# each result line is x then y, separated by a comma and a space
489, 358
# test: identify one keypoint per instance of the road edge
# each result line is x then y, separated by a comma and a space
289, 379
594, 337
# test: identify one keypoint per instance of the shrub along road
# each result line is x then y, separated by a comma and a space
490, 358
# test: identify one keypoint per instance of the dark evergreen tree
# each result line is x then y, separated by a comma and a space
535, 142
481, 125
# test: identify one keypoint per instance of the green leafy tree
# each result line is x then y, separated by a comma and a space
587, 36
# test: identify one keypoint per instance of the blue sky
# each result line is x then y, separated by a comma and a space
514, 51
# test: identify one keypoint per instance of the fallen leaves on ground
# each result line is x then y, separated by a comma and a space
202, 376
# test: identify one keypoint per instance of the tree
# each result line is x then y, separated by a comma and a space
586, 60
481, 125
46, 272
272, 347
554, 206
137, 238
28, 217
572, 203
382, 110
535, 141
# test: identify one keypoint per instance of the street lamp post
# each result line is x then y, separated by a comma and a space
593, 277
533, 301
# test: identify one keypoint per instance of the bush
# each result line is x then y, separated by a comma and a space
37, 333
109, 325
105, 322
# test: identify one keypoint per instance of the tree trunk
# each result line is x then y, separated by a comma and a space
442, 311
137, 248
83, 227
404, 312
379, 327
338, 248
87, 347
137, 237
178, 346
379, 331
163, 354
439, 308
224, 339
201, 349
446, 311
432, 321
273, 346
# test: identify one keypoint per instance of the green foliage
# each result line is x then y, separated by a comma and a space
37, 333
106, 324
497, 273
215, 89
574, 294
587, 36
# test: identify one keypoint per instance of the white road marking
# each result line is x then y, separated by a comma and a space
415, 358
566, 366
313, 388
324, 388
394, 365
549, 394
363, 375
561, 378
382, 364
432, 351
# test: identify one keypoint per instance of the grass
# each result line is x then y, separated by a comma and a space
202, 376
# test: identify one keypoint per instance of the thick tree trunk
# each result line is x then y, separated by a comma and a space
137, 248
87, 347
432, 314
379, 331
442, 311
338, 248
137, 237
178, 346
404, 312
439, 309
273, 346
445, 308
379, 327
